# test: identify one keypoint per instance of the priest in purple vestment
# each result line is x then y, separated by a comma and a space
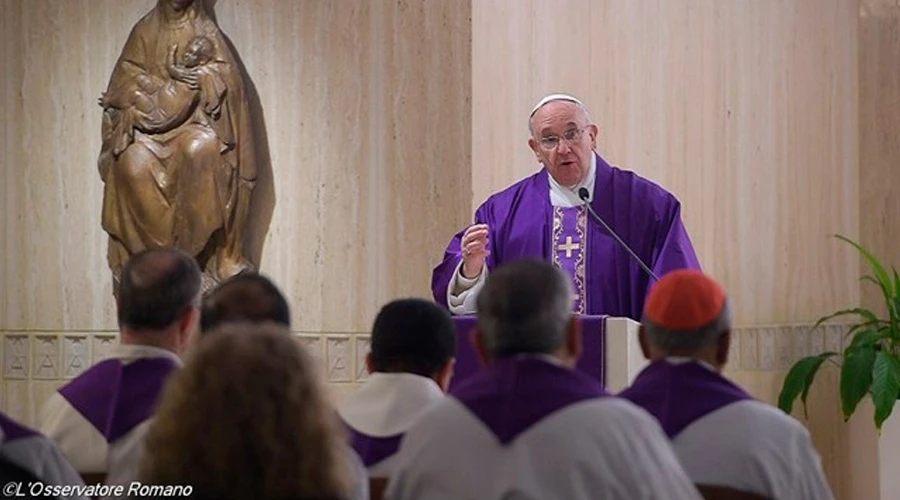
726, 440
99, 418
542, 216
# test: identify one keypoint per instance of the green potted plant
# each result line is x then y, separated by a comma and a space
870, 364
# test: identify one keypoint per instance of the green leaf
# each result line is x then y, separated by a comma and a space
885, 385
880, 272
895, 312
856, 377
866, 314
868, 338
798, 380
870, 279
868, 325
896, 282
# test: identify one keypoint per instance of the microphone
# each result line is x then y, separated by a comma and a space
585, 196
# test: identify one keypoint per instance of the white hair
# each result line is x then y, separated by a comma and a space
524, 308
554, 98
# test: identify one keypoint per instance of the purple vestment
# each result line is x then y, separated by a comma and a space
371, 449
116, 397
13, 430
680, 394
513, 394
647, 217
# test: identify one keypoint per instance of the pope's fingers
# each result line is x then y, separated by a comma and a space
476, 227
475, 235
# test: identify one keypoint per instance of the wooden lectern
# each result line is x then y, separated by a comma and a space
611, 350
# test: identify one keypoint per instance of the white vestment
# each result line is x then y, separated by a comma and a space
590, 447
723, 437
35, 454
384, 408
116, 449
752, 446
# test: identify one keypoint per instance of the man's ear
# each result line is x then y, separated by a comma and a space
723, 346
594, 132
644, 341
188, 328
534, 147
480, 350
370, 365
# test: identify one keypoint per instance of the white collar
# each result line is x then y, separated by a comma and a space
561, 196
547, 358
131, 352
389, 404
680, 360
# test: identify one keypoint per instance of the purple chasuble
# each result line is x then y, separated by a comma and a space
370, 449
647, 217
680, 394
116, 397
13, 430
513, 394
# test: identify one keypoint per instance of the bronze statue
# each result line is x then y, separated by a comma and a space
178, 159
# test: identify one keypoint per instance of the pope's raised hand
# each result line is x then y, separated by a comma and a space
474, 246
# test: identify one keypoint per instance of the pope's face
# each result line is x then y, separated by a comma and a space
563, 140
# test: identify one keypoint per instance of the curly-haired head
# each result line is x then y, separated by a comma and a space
247, 417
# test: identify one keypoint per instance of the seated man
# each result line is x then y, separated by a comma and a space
26, 456
246, 297
727, 441
99, 418
529, 425
411, 362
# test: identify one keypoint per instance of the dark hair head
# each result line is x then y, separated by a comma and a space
156, 289
412, 336
245, 297
524, 308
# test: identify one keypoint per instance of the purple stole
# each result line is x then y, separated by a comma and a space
13, 430
371, 449
513, 394
115, 397
680, 394
570, 247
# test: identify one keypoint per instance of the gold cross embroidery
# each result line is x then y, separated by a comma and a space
568, 246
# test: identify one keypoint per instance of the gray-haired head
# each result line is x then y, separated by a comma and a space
524, 308
686, 314
688, 342
555, 98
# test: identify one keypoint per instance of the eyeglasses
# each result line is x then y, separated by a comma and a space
551, 142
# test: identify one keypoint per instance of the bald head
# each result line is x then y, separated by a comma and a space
247, 297
156, 289
524, 308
